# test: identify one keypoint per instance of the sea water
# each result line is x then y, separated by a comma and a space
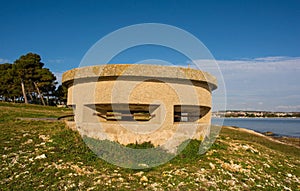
279, 126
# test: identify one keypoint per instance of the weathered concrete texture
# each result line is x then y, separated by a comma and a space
161, 92
139, 70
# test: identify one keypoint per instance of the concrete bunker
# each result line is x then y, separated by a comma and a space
134, 103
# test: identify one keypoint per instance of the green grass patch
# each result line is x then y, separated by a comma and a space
40, 155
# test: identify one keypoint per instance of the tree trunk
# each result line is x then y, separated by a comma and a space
48, 98
38, 90
31, 98
24, 93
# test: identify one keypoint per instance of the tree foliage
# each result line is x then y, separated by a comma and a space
61, 93
7, 87
27, 71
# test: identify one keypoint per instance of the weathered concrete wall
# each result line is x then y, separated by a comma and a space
140, 84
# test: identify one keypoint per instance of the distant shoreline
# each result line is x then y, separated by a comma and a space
255, 114
288, 140
257, 117
276, 127
267, 133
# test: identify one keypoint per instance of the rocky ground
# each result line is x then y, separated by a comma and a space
41, 155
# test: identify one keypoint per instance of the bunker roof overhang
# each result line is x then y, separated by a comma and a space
139, 70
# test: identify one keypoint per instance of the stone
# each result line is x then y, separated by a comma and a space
139, 173
144, 179
40, 156
212, 166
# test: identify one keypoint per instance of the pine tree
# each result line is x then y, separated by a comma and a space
31, 77
5, 81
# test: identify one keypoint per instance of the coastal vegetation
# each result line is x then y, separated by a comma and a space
26, 80
39, 155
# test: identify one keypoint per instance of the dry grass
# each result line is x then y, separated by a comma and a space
37, 155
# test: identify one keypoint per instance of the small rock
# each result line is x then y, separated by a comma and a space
268, 133
231, 182
144, 179
289, 175
41, 156
154, 185
266, 165
212, 166
181, 184
139, 173
121, 179
28, 141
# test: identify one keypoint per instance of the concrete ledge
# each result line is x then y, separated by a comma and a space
139, 70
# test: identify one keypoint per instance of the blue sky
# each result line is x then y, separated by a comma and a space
256, 43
